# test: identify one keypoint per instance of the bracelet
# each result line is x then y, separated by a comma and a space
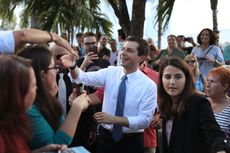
51, 37
73, 67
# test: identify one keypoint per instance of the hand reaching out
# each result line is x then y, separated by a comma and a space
49, 148
69, 60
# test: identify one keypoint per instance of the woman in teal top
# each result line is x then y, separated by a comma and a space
43, 132
46, 115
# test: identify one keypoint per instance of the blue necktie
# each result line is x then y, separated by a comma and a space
117, 129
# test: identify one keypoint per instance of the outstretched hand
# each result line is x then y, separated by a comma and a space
62, 42
69, 60
50, 147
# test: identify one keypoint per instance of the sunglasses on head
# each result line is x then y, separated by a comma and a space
58, 57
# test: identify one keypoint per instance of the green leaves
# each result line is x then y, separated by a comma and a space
47, 14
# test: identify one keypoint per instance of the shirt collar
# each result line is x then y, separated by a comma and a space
131, 76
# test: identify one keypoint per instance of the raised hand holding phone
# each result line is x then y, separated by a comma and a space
89, 57
78, 89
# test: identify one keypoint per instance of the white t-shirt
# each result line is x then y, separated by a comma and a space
7, 44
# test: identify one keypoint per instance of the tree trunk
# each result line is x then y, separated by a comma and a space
214, 18
214, 14
123, 17
138, 18
159, 34
136, 25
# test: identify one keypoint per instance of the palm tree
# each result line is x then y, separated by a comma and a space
7, 24
164, 11
47, 14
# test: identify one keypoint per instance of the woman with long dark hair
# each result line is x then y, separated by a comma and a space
18, 90
48, 122
188, 121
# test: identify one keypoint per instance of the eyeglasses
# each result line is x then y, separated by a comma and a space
58, 56
191, 62
51, 68
90, 43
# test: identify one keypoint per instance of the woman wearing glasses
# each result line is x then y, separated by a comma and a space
46, 112
200, 80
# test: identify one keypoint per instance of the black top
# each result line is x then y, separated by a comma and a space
196, 132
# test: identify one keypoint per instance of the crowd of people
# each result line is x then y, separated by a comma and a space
108, 96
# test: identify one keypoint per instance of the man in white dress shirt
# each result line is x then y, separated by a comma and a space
140, 100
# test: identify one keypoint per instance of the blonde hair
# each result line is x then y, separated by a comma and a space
196, 71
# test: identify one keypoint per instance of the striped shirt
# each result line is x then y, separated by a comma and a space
223, 119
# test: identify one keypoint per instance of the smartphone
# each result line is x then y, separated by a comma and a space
79, 88
93, 49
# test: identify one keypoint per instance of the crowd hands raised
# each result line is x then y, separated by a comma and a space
201, 59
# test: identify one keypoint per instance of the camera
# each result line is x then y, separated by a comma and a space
187, 39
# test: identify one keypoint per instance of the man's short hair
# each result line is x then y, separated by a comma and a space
89, 34
143, 45
79, 34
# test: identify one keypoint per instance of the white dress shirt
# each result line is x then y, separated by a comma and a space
6, 42
141, 95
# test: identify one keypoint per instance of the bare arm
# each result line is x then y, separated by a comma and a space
78, 105
35, 36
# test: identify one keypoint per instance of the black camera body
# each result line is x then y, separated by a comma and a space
187, 38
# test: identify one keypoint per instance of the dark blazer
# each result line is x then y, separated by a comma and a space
196, 132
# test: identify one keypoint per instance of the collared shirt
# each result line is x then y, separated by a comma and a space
6, 42
141, 95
